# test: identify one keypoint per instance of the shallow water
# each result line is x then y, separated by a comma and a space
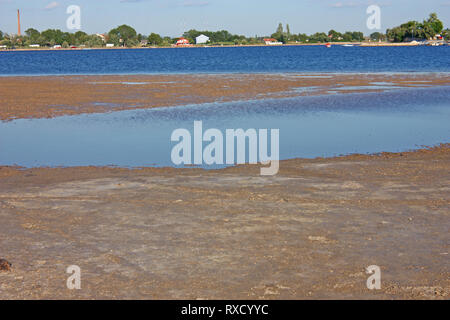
309, 127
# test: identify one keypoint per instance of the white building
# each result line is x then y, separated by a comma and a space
272, 42
110, 45
34, 46
201, 39
101, 36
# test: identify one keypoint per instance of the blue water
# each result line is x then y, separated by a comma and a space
309, 127
227, 60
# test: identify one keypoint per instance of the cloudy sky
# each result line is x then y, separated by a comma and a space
249, 17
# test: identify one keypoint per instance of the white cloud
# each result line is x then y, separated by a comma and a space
52, 5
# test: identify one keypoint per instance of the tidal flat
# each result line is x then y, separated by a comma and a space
165, 233
308, 232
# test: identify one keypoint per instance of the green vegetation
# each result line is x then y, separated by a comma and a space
414, 30
155, 39
123, 34
219, 37
378, 36
318, 37
126, 36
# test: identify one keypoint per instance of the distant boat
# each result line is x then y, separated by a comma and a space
348, 45
328, 45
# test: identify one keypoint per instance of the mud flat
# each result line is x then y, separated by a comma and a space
164, 233
308, 232
50, 96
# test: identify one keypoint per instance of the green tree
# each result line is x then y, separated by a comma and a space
6, 42
167, 41
334, 35
319, 37
53, 36
94, 41
126, 33
377, 36
435, 23
416, 30
347, 36
288, 32
357, 36
396, 34
80, 37
41, 41
445, 33
280, 28
155, 39
279, 34
302, 37
114, 39
33, 34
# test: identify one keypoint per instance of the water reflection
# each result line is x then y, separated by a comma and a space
309, 127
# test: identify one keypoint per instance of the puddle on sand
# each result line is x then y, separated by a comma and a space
106, 104
370, 87
310, 126
131, 83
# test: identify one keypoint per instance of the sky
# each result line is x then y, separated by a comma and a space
247, 17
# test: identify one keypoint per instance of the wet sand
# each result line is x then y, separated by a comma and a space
163, 233
307, 233
50, 96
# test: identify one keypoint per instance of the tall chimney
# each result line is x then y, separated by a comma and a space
18, 22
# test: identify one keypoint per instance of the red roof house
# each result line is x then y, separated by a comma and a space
182, 42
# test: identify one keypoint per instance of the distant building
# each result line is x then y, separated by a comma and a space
201, 39
144, 43
110, 45
101, 36
271, 41
182, 42
34, 46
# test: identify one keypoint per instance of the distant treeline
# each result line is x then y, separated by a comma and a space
418, 30
127, 36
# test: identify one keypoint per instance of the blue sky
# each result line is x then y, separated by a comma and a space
248, 17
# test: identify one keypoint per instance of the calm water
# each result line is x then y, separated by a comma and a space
217, 60
309, 127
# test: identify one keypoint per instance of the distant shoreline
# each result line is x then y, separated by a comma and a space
360, 44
